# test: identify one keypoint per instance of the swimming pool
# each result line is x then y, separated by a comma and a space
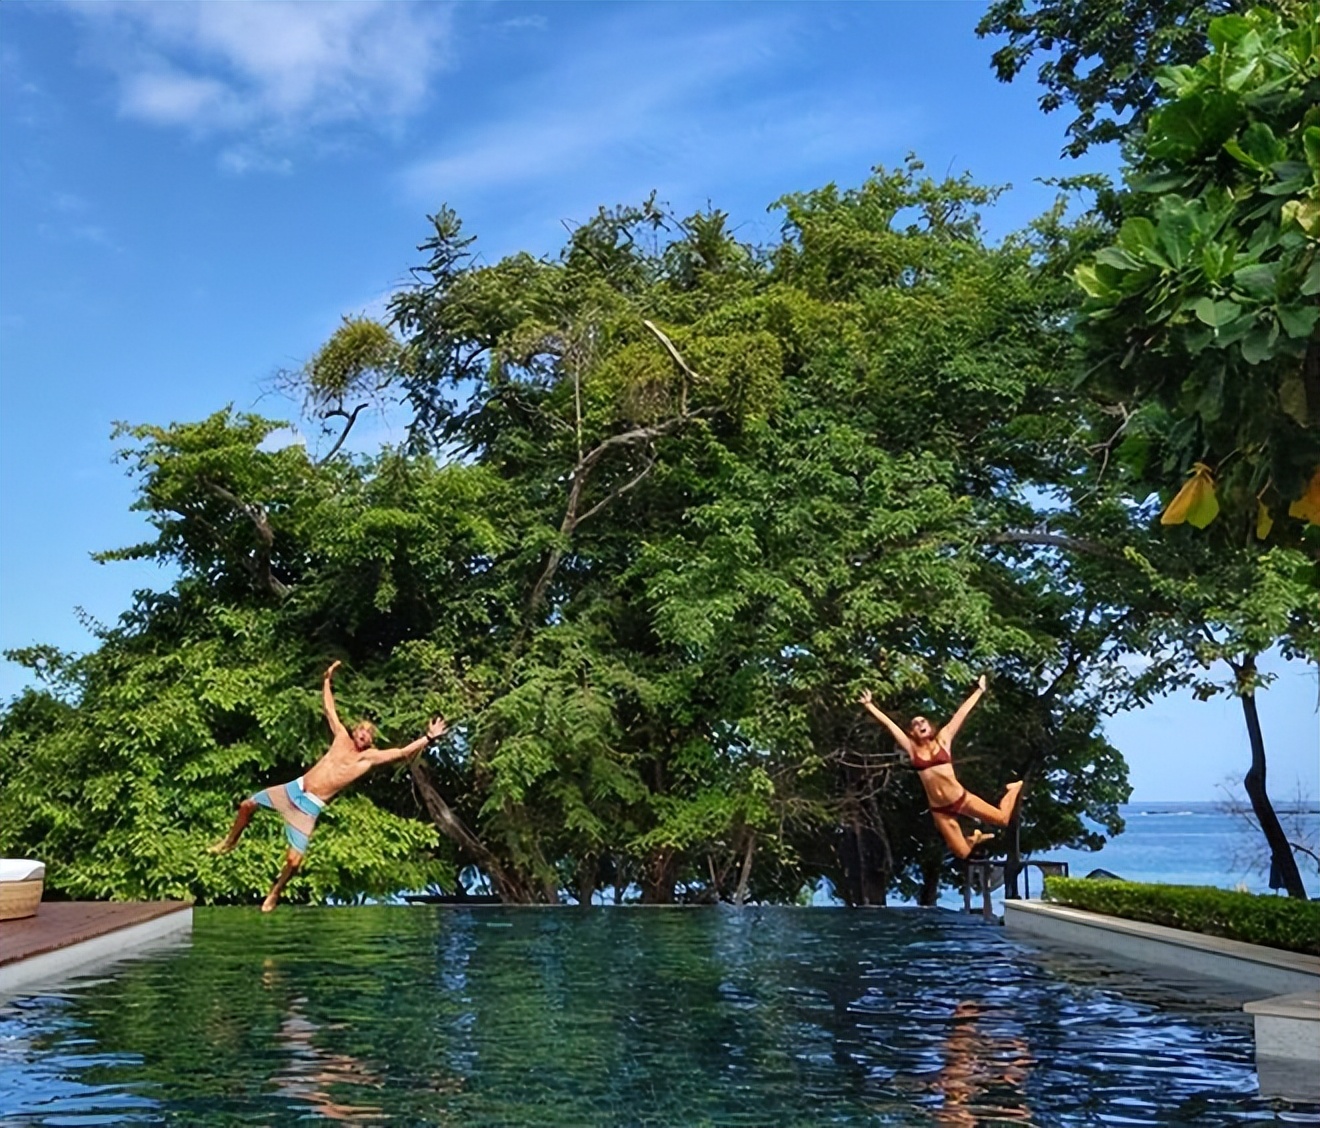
585, 1017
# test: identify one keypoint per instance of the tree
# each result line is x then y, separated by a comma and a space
1202, 317
1200, 333
1103, 57
667, 502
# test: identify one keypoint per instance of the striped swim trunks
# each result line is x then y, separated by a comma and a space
296, 807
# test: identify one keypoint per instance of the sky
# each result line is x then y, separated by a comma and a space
192, 195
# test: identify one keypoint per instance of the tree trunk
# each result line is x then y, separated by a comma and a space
658, 880
740, 895
932, 870
1283, 864
507, 885
1013, 863
587, 876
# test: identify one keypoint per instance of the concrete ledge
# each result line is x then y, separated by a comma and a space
1288, 1028
1249, 967
105, 948
1289, 1078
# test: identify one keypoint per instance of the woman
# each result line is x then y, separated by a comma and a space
929, 752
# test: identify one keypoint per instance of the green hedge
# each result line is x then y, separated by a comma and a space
1276, 922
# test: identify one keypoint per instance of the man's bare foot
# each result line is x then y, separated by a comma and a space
977, 837
221, 847
268, 905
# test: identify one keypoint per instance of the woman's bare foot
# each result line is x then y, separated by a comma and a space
976, 838
221, 847
268, 905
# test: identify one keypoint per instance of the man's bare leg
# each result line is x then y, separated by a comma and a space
230, 840
290, 868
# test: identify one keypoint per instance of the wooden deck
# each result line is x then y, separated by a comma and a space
64, 924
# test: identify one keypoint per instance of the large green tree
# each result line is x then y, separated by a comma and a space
668, 502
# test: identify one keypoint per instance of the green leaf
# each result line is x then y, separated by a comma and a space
1311, 146
1157, 183
1235, 330
1138, 237
1292, 398
1119, 259
1256, 146
1193, 125
1258, 344
1224, 31
1211, 401
1216, 313
1216, 261
1196, 337
1089, 281
1298, 321
1311, 283
1257, 280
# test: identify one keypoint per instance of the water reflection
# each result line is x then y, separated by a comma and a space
976, 1066
310, 1072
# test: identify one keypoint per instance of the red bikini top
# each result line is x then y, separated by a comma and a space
943, 756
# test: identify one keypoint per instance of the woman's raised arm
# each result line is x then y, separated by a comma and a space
900, 737
949, 731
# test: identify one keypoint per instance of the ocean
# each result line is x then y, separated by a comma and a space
1182, 844
1197, 844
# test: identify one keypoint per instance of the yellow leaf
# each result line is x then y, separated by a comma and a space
1195, 503
1264, 522
1307, 507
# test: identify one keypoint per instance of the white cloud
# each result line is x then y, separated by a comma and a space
240, 159
92, 233
671, 111
170, 98
269, 71
524, 23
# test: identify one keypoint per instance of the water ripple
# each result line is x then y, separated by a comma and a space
702, 1017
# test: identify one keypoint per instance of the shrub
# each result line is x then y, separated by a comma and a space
1276, 922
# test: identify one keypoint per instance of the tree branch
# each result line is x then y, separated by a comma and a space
618, 491
261, 522
348, 426
1052, 540
453, 828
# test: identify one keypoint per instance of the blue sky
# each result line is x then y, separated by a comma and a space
192, 195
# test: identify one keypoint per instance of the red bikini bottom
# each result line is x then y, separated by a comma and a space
954, 808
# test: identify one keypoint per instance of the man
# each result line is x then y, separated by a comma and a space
351, 756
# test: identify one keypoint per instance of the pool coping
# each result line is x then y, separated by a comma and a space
1271, 971
66, 936
1286, 1025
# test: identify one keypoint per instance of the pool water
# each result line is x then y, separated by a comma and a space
586, 1017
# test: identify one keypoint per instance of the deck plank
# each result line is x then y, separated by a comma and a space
60, 924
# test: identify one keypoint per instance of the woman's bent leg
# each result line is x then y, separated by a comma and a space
952, 832
978, 808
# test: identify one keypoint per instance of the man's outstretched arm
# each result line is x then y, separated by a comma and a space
328, 700
434, 731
